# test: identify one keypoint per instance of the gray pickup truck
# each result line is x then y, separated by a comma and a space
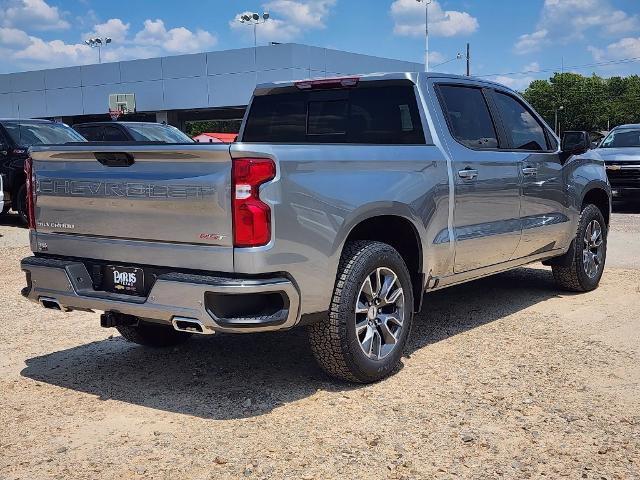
343, 201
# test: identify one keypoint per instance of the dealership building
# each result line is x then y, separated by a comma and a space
176, 89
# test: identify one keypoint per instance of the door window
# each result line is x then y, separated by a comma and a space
468, 116
523, 130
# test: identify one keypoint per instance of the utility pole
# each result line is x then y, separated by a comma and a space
426, 33
468, 60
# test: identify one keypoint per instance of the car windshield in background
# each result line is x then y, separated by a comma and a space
41, 133
154, 132
624, 137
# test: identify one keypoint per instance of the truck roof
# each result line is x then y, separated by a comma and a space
263, 88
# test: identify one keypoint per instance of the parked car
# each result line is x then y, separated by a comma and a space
620, 151
131, 132
16, 136
343, 201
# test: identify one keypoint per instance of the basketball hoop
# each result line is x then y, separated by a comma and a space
115, 114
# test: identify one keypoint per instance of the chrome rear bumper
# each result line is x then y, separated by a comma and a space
67, 285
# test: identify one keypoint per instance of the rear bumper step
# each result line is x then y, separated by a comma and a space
210, 303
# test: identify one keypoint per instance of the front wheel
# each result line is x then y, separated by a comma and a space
582, 272
370, 317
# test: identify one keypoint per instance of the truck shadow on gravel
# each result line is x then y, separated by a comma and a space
237, 376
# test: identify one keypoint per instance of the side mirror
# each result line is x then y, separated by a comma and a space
575, 143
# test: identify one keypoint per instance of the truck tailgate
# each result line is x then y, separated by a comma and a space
101, 198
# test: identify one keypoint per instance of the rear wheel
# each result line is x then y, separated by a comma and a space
152, 335
582, 272
370, 318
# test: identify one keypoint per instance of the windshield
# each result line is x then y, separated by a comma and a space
623, 137
41, 133
155, 132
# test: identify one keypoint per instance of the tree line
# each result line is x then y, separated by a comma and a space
586, 103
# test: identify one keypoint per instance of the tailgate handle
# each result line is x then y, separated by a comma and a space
114, 159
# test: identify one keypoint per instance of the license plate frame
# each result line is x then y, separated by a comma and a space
123, 280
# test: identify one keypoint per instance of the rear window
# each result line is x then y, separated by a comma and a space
368, 114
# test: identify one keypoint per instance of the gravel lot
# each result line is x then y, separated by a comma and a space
504, 378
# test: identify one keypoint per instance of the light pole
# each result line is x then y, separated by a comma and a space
254, 19
98, 43
557, 125
426, 32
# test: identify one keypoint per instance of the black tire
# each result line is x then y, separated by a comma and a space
152, 335
334, 341
572, 275
21, 205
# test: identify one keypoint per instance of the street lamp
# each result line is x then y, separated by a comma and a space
426, 32
557, 125
254, 19
98, 43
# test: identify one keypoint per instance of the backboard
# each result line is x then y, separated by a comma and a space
122, 102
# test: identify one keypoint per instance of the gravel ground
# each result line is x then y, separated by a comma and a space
504, 378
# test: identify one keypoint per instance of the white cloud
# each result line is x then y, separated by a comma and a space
289, 19
531, 42
13, 37
531, 67
409, 19
113, 28
628, 47
24, 51
32, 14
519, 83
175, 40
564, 21
302, 13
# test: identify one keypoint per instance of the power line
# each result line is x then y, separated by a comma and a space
574, 67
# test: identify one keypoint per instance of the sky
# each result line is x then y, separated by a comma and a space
512, 41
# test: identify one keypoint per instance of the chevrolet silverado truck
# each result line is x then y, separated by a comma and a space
620, 151
343, 201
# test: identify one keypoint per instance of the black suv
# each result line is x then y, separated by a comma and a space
131, 132
16, 136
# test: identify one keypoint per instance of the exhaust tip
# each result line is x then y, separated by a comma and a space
190, 325
51, 303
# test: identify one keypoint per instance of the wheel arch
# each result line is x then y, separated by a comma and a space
599, 196
403, 235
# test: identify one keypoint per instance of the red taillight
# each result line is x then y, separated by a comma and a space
340, 82
251, 216
28, 172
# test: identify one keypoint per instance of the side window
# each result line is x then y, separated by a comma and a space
113, 134
468, 116
522, 128
385, 115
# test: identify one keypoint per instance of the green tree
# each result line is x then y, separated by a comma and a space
589, 103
